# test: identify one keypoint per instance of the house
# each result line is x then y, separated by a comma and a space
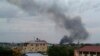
87, 51
35, 46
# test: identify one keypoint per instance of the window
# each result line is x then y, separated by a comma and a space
92, 53
32, 48
43, 44
37, 45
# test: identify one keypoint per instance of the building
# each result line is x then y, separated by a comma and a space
87, 51
35, 46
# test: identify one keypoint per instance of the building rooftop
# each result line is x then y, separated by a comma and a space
90, 48
37, 41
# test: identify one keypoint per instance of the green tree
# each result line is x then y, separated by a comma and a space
57, 51
61, 50
70, 51
6, 51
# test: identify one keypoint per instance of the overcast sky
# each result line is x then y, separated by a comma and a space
17, 25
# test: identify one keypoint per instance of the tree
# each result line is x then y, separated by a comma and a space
6, 51
70, 51
57, 51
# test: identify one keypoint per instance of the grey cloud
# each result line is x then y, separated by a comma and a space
10, 11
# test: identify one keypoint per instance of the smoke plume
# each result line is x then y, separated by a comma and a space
66, 39
60, 11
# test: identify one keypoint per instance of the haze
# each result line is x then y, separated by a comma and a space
19, 25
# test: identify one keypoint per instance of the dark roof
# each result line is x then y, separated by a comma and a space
90, 48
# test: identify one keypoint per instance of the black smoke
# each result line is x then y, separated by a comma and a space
66, 40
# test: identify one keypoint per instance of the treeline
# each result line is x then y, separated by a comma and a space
59, 50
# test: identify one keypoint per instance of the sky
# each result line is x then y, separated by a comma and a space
19, 25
